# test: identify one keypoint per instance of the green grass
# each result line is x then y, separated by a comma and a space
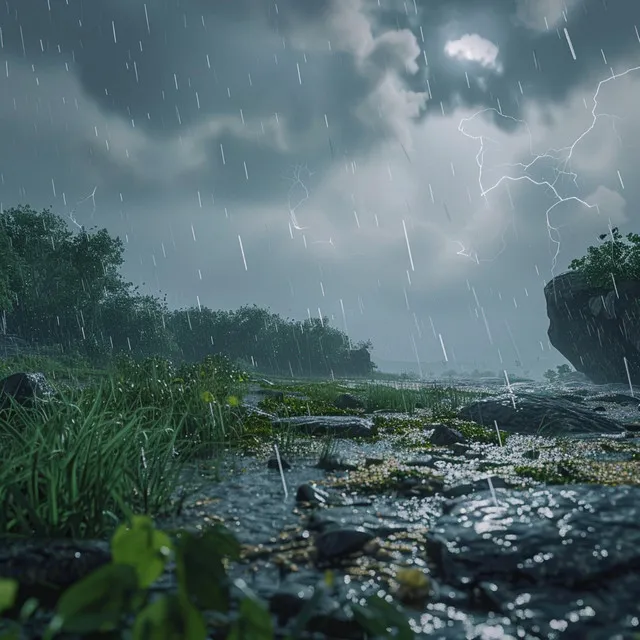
399, 398
77, 464
61, 370
115, 441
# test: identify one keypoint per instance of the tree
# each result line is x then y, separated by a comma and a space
615, 260
59, 279
7, 269
61, 286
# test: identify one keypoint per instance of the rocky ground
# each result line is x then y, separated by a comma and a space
537, 538
533, 535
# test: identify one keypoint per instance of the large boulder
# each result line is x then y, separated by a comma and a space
596, 330
24, 388
536, 414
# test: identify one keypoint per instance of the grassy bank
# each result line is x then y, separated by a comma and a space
107, 454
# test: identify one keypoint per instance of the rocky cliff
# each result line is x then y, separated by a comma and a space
597, 330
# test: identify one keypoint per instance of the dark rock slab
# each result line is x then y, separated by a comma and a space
596, 329
558, 558
337, 543
338, 426
24, 388
532, 413
348, 401
44, 568
444, 436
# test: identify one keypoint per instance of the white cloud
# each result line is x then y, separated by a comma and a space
384, 57
474, 48
540, 14
611, 206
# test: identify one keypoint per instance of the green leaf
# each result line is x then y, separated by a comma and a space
254, 622
201, 573
142, 547
379, 616
169, 618
8, 593
98, 602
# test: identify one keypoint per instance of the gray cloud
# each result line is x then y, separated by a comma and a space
170, 166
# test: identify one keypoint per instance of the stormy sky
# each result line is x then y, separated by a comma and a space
425, 165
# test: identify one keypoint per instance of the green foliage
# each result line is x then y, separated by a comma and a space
62, 287
615, 260
562, 372
119, 598
74, 465
478, 433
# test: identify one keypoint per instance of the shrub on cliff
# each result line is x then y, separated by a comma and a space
615, 260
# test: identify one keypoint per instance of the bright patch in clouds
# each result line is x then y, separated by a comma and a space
474, 48
542, 15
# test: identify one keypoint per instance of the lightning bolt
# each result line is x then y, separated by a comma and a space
562, 156
92, 197
297, 182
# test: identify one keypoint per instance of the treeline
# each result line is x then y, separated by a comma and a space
64, 288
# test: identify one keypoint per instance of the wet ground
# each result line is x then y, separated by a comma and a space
477, 540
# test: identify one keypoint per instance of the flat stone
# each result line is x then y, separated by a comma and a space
336, 543
562, 553
531, 413
337, 426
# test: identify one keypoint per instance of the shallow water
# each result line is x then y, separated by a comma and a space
474, 593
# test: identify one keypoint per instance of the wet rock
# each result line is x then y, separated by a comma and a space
481, 484
272, 463
320, 522
444, 436
595, 329
24, 388
333, 463
337, 426
312, 494
553, 558
617, 398
276, 394
348, 401
600, 409
531, 413
43, 568
288, 601
373, 462
461, 448
422, 461
255, 394
337, 543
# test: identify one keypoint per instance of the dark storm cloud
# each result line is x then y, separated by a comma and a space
539, 59
191, 62
130, 56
